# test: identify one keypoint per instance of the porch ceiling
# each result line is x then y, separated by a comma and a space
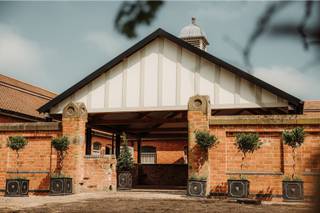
159, 124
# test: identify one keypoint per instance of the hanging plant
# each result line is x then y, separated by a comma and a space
294, 139
61, 144
247, 143
205, 140
16, 143
124, 161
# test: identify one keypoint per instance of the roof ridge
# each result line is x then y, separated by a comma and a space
149, 38
26, 89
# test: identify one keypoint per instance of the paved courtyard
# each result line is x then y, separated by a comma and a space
137, 201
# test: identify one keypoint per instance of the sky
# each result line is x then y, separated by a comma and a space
56, 44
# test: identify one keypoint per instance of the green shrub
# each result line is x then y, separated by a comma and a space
247, 143
205, 140
124, 161
294, 139
16, 143
61, 144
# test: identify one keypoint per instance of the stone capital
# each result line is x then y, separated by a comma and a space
200, 103
75, 110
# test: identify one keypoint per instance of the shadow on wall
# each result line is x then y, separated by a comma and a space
202, 158
44, 185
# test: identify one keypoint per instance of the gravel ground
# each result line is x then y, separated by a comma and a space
173, 201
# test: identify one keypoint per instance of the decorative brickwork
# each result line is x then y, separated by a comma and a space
37, 160
266, 167
198, 119
74, 119
99, 174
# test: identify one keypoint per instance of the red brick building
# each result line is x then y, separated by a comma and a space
160, 91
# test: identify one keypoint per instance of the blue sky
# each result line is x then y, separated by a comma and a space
55, 44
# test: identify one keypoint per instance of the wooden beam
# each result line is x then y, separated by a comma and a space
143, 121
118, 141
161, 129
139, 150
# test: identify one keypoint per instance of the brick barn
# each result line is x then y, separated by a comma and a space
159, 92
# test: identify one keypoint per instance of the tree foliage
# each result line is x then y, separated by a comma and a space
61, 144
124, 161
134, 13
247, 143
205, 140
17, 143
294, 138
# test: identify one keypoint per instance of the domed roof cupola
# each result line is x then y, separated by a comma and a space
193, 34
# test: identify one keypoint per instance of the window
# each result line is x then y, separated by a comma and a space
148, 155
108, 150
96, 148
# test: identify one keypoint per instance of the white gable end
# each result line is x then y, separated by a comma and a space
163, 76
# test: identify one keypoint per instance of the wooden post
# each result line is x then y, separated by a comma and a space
139, 150
88, 140
112, 145
118, 141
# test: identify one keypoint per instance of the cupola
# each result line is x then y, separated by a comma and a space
193, 34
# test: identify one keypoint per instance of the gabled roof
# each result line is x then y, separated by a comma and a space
295, 102
20, 98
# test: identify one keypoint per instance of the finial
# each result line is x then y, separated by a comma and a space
193, 20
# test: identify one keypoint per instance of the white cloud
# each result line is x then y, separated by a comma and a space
106, 42
304, 85
19, 56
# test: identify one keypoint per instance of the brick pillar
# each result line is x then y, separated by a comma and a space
74, 119
199, 112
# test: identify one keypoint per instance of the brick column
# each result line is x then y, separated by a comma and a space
199, 112
74, 119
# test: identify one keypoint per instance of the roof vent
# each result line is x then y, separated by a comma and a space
193, 34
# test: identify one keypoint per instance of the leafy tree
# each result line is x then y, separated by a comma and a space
134, 13
61, 144
125, 161
16, 143
205, 140
247, 143
294, 139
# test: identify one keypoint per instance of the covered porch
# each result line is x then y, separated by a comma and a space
157, 140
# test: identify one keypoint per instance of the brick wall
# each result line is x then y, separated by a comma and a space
100, 174
37, 160
266, 167
168, 151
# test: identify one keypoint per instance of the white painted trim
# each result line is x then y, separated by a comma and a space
178, 75
160, 70
237, 106
142, 70
124, 82
106, 90
197, 75
237, 90
89, 96
216, 85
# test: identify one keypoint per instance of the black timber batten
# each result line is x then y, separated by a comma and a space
296, 102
